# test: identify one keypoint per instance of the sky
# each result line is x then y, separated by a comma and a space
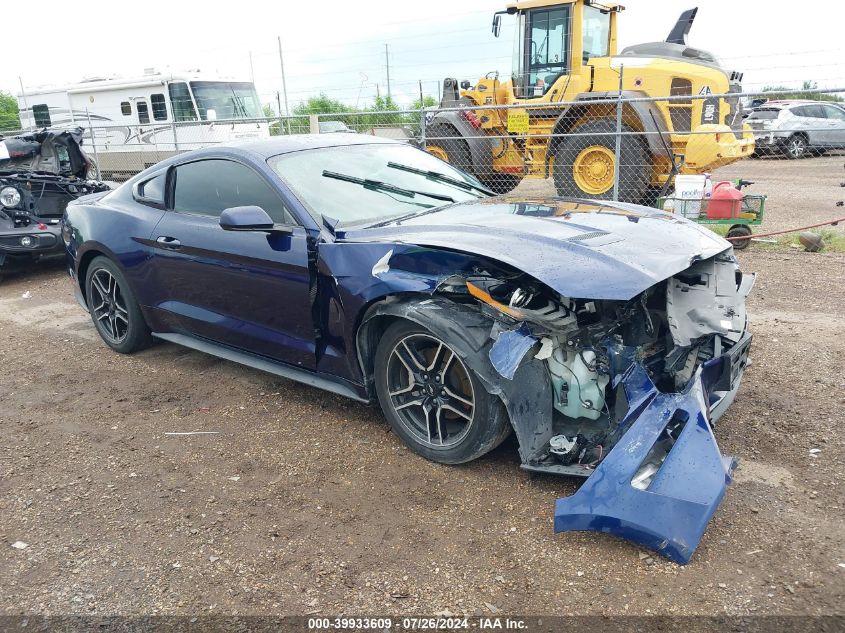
338, 47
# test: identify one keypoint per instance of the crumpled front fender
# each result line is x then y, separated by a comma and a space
670, 516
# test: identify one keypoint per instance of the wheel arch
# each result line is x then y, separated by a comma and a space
86, 256
527, 397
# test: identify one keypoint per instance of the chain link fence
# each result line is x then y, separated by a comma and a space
601, 147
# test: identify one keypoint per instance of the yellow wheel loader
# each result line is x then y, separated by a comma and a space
566, 67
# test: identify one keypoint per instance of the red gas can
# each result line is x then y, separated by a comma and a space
725, 202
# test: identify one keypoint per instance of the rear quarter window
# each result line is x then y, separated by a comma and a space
765, 114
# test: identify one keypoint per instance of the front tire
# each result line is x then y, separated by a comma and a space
432, 400
584, 163
113, 307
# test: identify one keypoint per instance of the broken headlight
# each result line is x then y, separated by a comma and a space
10, 197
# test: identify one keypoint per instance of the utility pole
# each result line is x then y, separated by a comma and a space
387, 61
284, 85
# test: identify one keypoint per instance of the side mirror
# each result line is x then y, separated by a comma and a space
211, 114
249, 218
497, 25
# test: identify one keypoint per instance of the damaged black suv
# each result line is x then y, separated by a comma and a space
40, 173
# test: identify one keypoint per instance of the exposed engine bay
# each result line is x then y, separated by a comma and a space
671, 330
39, 174
614, 336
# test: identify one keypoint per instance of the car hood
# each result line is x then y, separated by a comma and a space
579, 248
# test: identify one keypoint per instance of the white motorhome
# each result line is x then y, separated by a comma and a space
133, 123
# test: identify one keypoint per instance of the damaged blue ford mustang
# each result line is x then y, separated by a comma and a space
608, 337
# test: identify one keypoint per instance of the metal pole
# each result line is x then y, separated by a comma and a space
387, 61
279, 105
617, 168
93, 142
172, 127
284, 84
251, 69
422, 128
23, 96
422, 117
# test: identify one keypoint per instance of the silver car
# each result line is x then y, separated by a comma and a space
797, 128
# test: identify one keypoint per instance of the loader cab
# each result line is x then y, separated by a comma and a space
554, 40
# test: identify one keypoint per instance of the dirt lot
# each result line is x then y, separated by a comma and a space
303, 502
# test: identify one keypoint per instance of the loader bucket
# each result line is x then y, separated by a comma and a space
671, 514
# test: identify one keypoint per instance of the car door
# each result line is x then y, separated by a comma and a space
245, 289
813, 122
834, 135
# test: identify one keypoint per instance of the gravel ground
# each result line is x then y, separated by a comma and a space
302, 502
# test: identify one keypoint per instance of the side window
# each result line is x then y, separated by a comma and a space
159, 107
125, 108
815, 111
207, 187
800, 111
832, 112
42, 115
143, 112
152, 190
180, 101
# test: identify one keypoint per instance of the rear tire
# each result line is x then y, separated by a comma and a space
113, 307
795, 147
589, 159
432, 400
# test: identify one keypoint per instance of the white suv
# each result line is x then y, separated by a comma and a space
796, 128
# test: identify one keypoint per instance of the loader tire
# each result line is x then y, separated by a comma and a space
501, 183
584, 163
447, 144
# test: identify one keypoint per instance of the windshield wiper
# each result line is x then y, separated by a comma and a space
436, 175
377, 185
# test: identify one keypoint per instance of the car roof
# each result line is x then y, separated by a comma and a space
276, 145
787, 103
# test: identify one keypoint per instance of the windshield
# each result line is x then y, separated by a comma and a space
356, 205
226, 100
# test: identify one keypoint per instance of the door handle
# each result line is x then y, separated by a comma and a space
168, 242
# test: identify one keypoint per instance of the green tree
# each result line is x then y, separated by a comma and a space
9, 117
782, 92
426, 102
321, 105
